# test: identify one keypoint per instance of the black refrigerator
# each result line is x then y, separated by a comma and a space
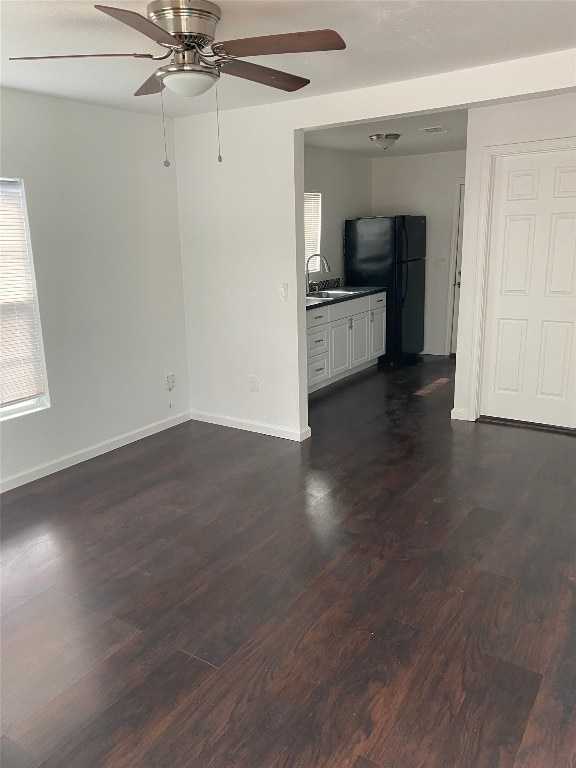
390, 251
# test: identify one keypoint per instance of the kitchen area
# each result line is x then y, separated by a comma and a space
382, 220
346, 333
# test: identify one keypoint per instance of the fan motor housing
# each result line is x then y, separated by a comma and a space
195, 20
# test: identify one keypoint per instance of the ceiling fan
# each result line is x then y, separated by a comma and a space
187, 28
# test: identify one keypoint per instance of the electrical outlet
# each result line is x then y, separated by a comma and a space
253, 384
170, 382
283, 291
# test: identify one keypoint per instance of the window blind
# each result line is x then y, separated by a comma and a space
312, 209
22, 375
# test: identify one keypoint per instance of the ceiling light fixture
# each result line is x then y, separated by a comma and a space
187, 80
384, 140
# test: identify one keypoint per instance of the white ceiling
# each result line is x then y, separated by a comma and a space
386, 41
355, 139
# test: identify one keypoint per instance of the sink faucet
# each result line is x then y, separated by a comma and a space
323, 263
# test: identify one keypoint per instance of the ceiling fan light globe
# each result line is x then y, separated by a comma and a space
189, 83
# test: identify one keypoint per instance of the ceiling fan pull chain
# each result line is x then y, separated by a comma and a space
166, 161
218, 123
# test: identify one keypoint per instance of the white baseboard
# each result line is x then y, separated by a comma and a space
14, 481
252, 426
461, 414
438, 353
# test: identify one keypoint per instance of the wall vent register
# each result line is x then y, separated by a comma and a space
23, 383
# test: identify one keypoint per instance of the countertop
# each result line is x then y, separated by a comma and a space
358, 293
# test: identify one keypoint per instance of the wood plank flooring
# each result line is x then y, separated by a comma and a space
397, 592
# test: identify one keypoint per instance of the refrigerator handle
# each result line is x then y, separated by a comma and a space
405, 280
406, 253
404, 264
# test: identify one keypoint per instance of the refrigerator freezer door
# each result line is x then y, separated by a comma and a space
369, 251
411, 238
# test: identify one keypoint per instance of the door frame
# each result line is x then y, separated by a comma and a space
457, 224
490, 156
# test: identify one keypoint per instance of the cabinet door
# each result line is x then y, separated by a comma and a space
377, 332
359, 351
339, 346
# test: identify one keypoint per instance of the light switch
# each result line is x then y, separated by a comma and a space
283, 291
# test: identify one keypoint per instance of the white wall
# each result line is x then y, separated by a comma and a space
545, 118
424, 184
104, 230
345, 182
236, 250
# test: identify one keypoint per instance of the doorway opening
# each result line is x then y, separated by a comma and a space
415, 179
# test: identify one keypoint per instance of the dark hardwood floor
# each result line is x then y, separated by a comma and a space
396, 592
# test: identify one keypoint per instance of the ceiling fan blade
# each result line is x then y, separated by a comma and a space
273, 77
139, 23
292, 42
152, 85
82, 56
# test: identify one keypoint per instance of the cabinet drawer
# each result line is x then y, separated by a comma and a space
348, 308
377, 300
316, 317
318, 369
318, 340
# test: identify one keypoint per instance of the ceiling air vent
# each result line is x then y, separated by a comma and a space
435, 129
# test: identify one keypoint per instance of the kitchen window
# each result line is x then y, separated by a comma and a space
312, 220
23, 384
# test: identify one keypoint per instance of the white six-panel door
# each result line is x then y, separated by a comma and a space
529, 358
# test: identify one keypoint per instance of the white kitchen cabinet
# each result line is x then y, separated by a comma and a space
340, 346
344, 338
317, 317
318, 338
349, 308
377, 300
318, 369
359, 340
377, 332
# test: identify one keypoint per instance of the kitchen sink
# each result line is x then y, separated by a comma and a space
332, 294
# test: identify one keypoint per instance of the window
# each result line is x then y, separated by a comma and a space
312, 206
23, 386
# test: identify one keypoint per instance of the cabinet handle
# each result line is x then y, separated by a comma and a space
379, 301
372, 316
318, 317
319, 341
351, 323
318, 370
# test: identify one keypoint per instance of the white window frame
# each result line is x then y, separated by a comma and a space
314, 263
38, 402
